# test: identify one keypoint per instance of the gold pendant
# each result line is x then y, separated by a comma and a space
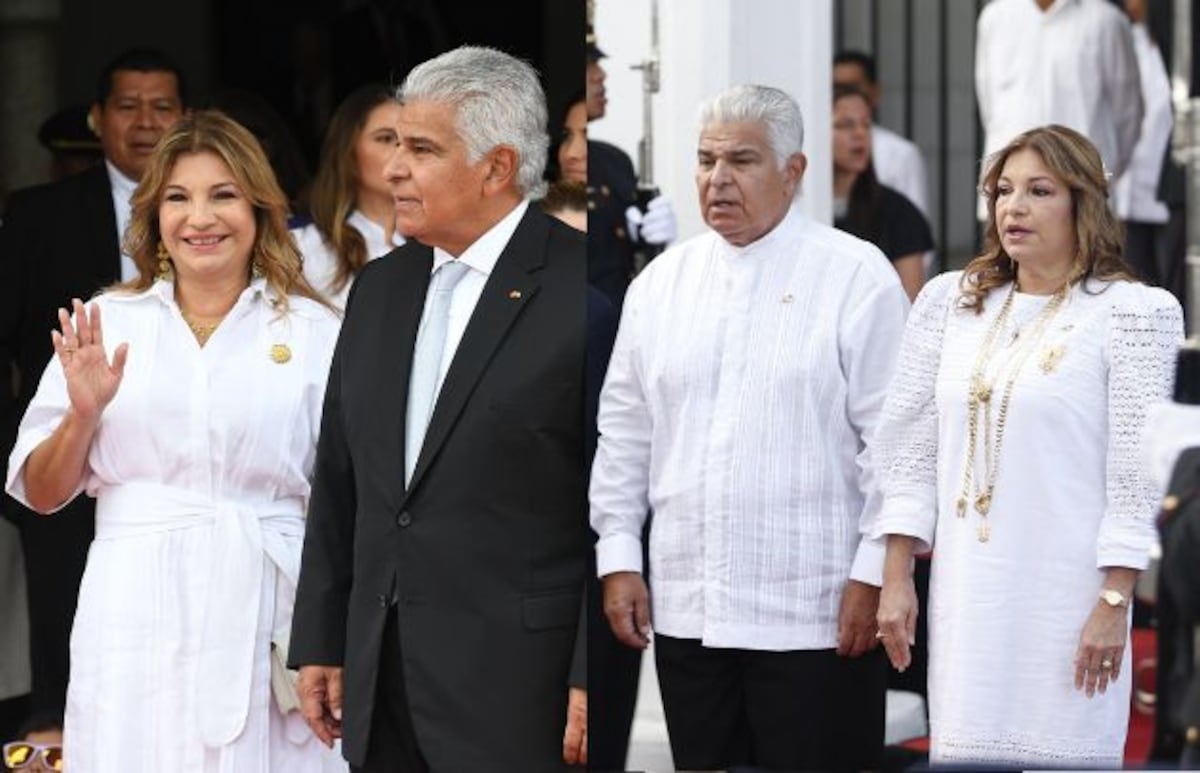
1051, 358
280, 353
981, 391
983, 503
961, 507
985, 532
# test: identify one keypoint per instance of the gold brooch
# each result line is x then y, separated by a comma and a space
514, 295
1051, 357
280, 353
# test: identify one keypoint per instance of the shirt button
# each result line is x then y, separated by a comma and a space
405, 519
383, 600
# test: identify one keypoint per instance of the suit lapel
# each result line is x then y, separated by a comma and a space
509, 289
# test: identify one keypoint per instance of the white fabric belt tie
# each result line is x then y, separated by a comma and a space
243, 534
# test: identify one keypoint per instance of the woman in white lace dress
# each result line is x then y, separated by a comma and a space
1010, 446
188, 402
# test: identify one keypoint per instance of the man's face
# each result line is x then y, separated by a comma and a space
141, 106
596, 100
743, 192
853, 75
436, 191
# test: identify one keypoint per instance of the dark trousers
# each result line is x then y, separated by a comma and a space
771, 711
392, 747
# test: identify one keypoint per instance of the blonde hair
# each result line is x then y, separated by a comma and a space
273, 253
1099, 237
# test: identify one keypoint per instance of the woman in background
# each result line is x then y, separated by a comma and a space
867, 208
354, 217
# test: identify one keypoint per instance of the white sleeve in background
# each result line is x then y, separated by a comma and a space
1135, 193
1122, 89
899, 165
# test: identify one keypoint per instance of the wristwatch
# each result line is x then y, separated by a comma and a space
1114, 598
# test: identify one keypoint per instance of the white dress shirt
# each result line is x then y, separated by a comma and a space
1135, 193
898, 164
743, 388
1073, 64
481, 258
122, 192
320, 262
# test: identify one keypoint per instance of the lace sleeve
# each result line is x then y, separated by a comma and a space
906, 436
1144, 335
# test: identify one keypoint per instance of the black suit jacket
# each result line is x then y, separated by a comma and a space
58, 241
484, 554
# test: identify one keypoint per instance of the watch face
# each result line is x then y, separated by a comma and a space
1113, 598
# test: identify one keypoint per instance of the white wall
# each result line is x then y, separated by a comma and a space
707, 46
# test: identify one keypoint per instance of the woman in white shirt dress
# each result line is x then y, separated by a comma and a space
354, 217
1010, 441
188, 402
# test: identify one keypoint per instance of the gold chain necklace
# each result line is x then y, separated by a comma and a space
979, 400
202, 332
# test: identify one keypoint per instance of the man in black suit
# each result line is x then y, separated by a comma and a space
443, 567
61, 241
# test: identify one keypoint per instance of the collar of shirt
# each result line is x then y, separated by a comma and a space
1057, 7
122, 191
793, 222
372, 233
483, 253
165, 292
121, 185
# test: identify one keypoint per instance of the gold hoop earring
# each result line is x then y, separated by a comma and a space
164, 263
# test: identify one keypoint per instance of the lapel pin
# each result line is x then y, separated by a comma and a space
280, 353
514, 295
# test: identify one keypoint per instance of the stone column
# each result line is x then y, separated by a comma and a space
28, 93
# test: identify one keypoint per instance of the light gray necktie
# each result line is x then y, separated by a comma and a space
427, 360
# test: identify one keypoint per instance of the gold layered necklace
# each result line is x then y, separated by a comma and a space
202, 332
980, 398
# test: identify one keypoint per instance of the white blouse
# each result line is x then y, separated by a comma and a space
742, 391
320, 263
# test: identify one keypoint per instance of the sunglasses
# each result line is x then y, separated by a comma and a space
20, 755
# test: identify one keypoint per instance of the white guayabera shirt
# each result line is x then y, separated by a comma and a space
1073, 64
739, 404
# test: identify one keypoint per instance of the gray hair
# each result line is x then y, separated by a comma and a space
498, 100
771, 107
